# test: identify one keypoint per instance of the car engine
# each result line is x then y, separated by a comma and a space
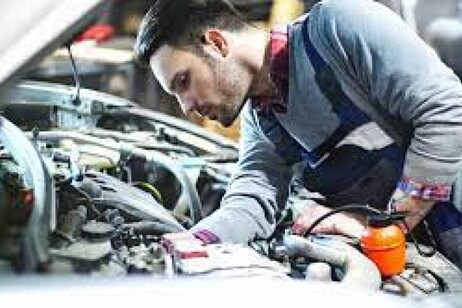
102, 187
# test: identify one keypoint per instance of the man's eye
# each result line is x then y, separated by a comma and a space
183, 82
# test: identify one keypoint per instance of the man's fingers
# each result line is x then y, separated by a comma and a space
302, 224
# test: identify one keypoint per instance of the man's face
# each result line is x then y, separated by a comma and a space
207, 83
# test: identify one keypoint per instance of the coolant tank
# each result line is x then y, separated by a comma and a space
384, 243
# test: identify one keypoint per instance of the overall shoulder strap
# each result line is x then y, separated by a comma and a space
349, 112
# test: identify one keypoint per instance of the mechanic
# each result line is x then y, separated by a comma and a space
347, 97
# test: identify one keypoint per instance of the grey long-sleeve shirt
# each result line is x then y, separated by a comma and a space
388, 71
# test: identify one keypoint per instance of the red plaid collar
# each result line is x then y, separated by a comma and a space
279, 72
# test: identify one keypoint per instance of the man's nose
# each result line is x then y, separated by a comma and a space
188, 104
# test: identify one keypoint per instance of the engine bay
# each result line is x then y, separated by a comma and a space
99, 187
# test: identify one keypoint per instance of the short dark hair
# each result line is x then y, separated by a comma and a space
176, 22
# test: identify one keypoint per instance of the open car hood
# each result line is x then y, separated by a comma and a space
31, 30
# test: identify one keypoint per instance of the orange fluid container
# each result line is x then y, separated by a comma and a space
384, 243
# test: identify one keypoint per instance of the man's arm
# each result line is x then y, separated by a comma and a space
403, 78
416, 207
258, 189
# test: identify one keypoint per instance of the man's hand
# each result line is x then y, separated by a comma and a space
339, 223
416, 208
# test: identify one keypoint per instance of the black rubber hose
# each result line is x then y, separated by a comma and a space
357, 208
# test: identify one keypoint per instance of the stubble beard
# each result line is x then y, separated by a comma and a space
233, 83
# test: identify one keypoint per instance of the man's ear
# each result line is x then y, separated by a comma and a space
215, 41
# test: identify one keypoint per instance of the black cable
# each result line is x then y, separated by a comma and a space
442, 285
76, 97
281, 224
417, 246
361, 209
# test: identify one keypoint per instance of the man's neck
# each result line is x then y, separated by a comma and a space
255, 53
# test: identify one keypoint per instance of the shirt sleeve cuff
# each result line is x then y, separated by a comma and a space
206, 236
433, 192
